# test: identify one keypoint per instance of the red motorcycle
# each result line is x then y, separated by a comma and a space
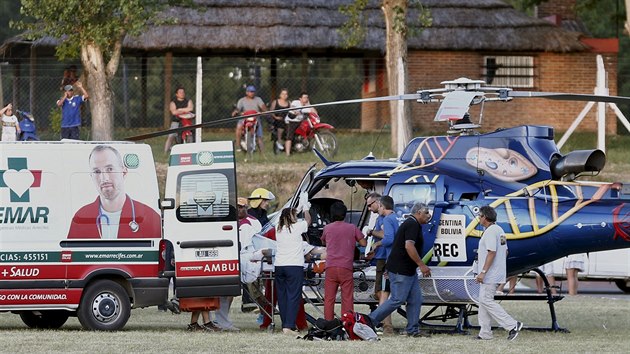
248, 139
311, 133
186, 136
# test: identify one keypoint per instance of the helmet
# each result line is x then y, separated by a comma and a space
258, 195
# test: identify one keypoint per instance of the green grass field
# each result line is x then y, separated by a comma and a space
596, 324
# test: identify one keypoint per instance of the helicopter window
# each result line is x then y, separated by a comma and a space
405, 195
562, 193
510, 71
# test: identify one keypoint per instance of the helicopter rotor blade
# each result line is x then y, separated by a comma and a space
411, 96
570, 96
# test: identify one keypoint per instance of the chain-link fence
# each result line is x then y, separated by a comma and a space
139, 86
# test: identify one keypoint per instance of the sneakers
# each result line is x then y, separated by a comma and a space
194, 327
279, 146
211, 327
514, 331
231, 329
379, 330
290, 332
419, 335
480, 338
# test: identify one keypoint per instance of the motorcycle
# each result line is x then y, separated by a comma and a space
311, 133
248, 139
186, 136
27, 127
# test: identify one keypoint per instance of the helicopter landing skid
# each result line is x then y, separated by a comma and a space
462, 312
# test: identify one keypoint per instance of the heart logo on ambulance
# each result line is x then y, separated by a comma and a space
19, 179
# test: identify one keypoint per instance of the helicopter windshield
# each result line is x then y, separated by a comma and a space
405, 195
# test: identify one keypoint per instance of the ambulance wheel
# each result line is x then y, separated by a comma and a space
104, 306
623, 285
51, 319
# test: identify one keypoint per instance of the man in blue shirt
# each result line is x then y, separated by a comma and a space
388, 228
71, 110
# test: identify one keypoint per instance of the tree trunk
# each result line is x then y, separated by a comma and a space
99, 89
396, 63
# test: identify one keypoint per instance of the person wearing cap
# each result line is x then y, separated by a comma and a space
248, 226
259, 202
250, 102
71, 110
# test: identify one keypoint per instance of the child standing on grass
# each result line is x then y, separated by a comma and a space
207, 325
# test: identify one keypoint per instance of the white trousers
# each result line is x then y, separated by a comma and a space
489, 309
222, 315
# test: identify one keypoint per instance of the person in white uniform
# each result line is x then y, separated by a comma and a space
491, 271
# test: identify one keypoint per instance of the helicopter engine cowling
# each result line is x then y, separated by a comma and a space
569, 166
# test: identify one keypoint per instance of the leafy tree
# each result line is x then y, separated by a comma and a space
397, 29
92, 30
10, 10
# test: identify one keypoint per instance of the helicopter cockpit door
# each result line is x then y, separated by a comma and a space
428, 189
304, 186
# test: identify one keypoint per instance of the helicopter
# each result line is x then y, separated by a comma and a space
545, 209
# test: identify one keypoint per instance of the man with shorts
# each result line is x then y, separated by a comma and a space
250, 102
71, 110
179, 105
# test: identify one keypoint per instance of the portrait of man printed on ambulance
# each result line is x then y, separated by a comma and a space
113, 214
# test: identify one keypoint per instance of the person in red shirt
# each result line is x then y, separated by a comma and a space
340, 239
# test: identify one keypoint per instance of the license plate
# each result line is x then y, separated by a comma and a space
214, 253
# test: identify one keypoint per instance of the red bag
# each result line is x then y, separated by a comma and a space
349, 318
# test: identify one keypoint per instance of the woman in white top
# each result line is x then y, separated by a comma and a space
10, 125
289, 266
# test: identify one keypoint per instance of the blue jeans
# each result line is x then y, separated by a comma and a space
289, 281
404, 288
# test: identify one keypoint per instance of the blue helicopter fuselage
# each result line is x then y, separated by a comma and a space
518, 171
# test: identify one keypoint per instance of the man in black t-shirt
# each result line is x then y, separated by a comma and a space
402, 266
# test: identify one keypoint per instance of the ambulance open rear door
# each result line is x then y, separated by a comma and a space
200, 219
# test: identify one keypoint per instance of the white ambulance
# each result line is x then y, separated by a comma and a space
83, 231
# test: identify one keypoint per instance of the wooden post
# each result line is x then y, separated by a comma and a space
168, 79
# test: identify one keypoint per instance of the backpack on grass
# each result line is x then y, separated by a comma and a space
326, 330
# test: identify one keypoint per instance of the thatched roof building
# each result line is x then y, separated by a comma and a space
312, 25
270, 25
